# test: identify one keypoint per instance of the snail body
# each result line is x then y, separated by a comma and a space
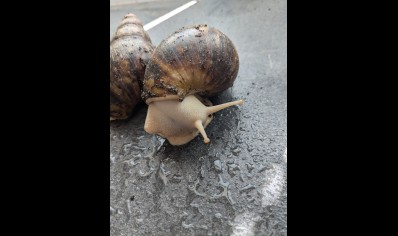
130, 50
190, 65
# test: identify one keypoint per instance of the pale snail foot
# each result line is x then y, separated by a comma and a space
180, 122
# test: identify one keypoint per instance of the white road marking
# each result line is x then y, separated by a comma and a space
271, 65
159, 20
243, 224
273, 185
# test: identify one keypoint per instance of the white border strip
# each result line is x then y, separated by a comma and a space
159, 20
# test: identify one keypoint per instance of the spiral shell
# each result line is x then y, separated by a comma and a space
130, 50
194, 60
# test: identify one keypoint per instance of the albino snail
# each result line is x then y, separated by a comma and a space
191, 64
130, 50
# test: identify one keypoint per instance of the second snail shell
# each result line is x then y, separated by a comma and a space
130, 50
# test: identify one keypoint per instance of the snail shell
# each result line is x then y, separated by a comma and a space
196, 60
191, 64
130, 50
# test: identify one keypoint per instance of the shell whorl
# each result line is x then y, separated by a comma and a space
193, 60
130, 50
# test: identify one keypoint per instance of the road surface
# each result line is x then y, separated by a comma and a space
237, 184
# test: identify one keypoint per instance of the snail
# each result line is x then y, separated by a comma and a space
130, 50
192, 64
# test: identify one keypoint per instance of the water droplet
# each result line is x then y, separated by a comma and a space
113, 158
250, 167
247, 188
236, 151
217, 165
143, 174
194, 205
163, 173
225, 193
112, 211
232, 169
193, 189
186, 226
262, 168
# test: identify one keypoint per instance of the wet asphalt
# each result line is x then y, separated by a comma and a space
237, 184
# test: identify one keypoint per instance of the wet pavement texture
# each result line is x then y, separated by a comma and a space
236, 184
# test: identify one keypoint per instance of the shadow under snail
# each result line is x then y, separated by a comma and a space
190, 65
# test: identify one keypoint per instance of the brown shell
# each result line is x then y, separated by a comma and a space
130, 50
194, 60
